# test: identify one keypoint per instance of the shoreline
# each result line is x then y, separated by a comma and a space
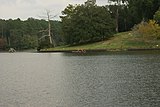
99, 50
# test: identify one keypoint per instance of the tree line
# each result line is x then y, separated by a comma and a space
27, 34
89, 23
131, 12
80, 24
83, 24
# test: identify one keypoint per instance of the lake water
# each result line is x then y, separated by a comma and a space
118, 79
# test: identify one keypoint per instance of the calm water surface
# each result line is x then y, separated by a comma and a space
129, 79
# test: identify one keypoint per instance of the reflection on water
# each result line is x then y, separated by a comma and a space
80, 80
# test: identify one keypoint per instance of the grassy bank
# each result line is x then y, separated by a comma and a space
120, 41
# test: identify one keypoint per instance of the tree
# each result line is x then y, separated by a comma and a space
56, 31
67, 25
157, 16
117, 4
83, 24
2, 43
145, 9
49, 17
90, 2
49, 26
2, 28
130, 12
20, 34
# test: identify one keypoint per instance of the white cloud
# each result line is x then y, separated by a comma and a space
32, 8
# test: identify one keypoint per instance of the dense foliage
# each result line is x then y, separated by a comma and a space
157, 16
26, 34
148, 30
83, 24
131, 12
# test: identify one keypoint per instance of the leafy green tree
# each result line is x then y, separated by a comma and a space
82, 24
67, 25
2, 44
144, 9
130, 12
24, 34
157, 16
2, 28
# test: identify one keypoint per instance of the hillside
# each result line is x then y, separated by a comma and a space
119, 42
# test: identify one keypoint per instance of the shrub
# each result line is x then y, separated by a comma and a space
148, 30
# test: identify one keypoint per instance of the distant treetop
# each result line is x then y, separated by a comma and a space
90, 2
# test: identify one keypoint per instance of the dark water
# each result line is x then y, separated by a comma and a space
129, 79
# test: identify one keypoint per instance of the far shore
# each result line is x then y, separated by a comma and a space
96, 50
124, 41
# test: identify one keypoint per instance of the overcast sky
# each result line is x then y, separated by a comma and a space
24, 9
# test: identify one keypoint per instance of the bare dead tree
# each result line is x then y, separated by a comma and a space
48, 17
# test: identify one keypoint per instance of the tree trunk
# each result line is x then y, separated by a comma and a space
49, 32
49, 28
117, 17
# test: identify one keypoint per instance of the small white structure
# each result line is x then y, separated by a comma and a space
12, 50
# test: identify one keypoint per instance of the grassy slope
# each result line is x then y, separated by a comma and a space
120, 41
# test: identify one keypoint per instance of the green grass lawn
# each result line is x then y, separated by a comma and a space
120, 41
